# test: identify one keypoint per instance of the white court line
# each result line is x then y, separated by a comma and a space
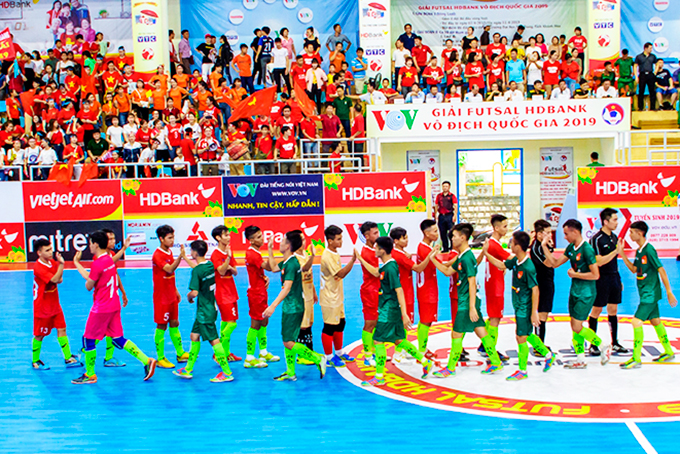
640, 437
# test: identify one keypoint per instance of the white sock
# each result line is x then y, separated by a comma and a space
263, 352
329, 356
581, 357
249, 357
338, 353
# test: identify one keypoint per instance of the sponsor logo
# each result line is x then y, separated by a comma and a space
655, 24
374, 35
273, 195
147, 39
274, 228
146, 17
613, 114
604, 40
250, 4
374, 11
148, 53
661, 44
370, 52
236, 16
232, 37
604, 5
242, 190
603, 25
183, 197
67, 238
305, 15
395, 119
626, 187
661, 5
375, 64
355, 235
197, 233
290, 4
94, 200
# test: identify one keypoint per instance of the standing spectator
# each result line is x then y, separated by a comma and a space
518, 35
311, 39
343, 109
515, 70
148, 156
485, 39
224, 56
47, 157
264, 151
531, 48
521, 54
188, 150
496, 72
264, 52
571, 72
540, 43
445, 209
372, 96
421, 55
336, 58
96, 146
495, 48
184, 49
407, 77
555, 46
579, 43
407, 38
338, 37
280, 65
316, 78
595, 160
286, 148
241, 63
664, 86
645, 78
115, 134
254, 46
433, 75
447, 51
207, 49
534, 69
288, 43
474, 72
358, 133
551, 72
624, 64
331, 127
467, 39
359, 67
399, 59
308, 132
174, 57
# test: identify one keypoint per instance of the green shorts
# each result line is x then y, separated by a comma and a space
207, 331
579, 307
389, 331
523, 326
623, 81
290, 326
463, 324
647, 311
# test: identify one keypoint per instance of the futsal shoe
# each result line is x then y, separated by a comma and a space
183, 373
73, 361
369, 361
346, 358
482, 351
606, 354
254, 364
549, 362
443, 373
322, 368
222, 377
429, 355
399, 357
374, 382
85, 380
492, 369
39, 365
575, 365
150, 368
285, 377
664, 358
183, 358
631, 364
619, 349
269, 358
427, 367
165, 364
518, 376
464, 356
335, 361
593, 350
233, 358
113, 362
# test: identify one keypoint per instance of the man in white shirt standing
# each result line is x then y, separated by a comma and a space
473, 95
115, 134
280, 65
47, 157
513, 94
561, 92
399, 59
606, 90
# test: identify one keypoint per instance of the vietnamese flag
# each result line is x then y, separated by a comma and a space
90, 170
259, 103
306, 104
62, 172
87, 84
28, 101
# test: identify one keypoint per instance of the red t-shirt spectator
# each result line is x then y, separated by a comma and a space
408, 76
551, 72
476, 69
275, 111
12, 106
359, 126
570, 70
445, 203
265, 144
291, 123
175, 135
90, 115
495, 49
308, 127
286, 147
330, 126
433, 76
578, 42
143, 137
298, 74
496, 72
188, 148
420, 55
455, 73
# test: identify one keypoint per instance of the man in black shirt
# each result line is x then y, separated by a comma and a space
254, 45
545, 274
485, 38
644, 76
518, 36
264, 52
408, 38
207, 49
445, 207
609, 287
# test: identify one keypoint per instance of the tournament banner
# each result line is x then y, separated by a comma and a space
654, 21
556, 179
150, 35
67, 238
12, 242
47, 201
374, 30
172, 198
640, 193
38, 24
273, 195
604, 32
493, 119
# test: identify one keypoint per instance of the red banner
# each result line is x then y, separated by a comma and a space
6, 46
175, 198
627, 187
389, 192
52, 201
12, 243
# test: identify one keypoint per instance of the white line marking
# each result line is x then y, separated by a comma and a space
640, 437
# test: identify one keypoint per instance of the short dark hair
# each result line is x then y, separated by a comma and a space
607, 213
243, 46
426, 224
200, 246
577, 28
219, 231
624, 52
465, 228
522, 239
366, 226
641, 226
520, 27
184, 31
360, 49
446, 182
386, 243
41, 243
107, 231
497, 218
647, 45
294, 238
163, 231
266, 30
595, 155
541, 225
99, 238
332, 231
250, 231
398, 233
574, 224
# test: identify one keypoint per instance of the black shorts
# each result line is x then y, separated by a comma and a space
546, 294
609, 289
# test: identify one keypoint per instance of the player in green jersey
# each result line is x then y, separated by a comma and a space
583, 273
393, 319
468, 319
626, 82
648, 269
524, 301
202, 289
293, 305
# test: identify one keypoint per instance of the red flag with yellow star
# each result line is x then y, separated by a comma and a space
62, 172
306, 104
259, 103
90, 170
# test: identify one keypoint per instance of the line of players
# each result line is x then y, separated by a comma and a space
387, 298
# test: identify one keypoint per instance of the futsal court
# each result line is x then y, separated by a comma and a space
42, 412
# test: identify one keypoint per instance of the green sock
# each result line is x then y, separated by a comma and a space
176, 338
411, 349
367, 339
638, 337
109, 349
304, 352
193, 355
226, 328
523, 356
456, 350
221, 356
251, 341
290, 361
579, 347
37, 345
262, 337
423, 334
538, 344
159, 340
65, 348
663, 337
590, 335
493, 332
132, 349
490, 347
380, 359
398, 348
90, 359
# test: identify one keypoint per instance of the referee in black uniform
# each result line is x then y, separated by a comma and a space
545, 274
609, 287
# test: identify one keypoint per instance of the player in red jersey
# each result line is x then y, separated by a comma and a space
494, 282
406, 267
166, 297
104, 319
257, 300
426, 282
109, 359
47, 313
226, 295
369, 289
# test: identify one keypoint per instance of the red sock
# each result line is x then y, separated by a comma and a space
337, 340
327, 342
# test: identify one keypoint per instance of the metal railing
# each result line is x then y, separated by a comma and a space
40, 172
649, 147
306, 165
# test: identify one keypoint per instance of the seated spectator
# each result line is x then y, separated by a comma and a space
473, 95
96, 146
117, 171
148, 156
537, 90
387, 90
607, 74
571, 72
131, 152
453, 95
494, 92
561, 91
606, 90
454, 71
583, 92
238, 147
335, 166
179, 170
664, 86
415, 96
372, 96
432, 74
513, 93
408, 76
434, 96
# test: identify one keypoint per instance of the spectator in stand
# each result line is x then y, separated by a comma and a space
285, 120
494, 92
117, 171
473, 95
280, 65
415, 96
607, 73
264, 151
485, 39
606, 90
233, 136
209, 54
496, 72
331, 127
467, 39
372, 96
571, 72
513, 94
358, 132
579, 44
286, 148
408, 76
625, 81
537, 91
264, 51
645, 65
241, 64
518, 35
311, 39
408, 38
534, 68
474, 72
188, 149
551, 72
115, 134
288, 43
434, 96
359, 66
515, 70
96, 146
521, 55
399, 56
583, 91
387, 90
308, 131
664, 87
540, 43
432, 75
495, 48
453, 95
315, 79
421, 55
562, 91
531, 48
336, 57
337, 37
454, 72
148, 156
447, 51
555, 46
343, 109
225, 55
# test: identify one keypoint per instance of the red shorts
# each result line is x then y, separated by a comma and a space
410, 310
427, 313
454, 308
494, 306
257, 304
102, 324
229, 311
369, 301
44, 326
163, 313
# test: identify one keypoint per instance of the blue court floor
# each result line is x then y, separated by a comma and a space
42, 412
